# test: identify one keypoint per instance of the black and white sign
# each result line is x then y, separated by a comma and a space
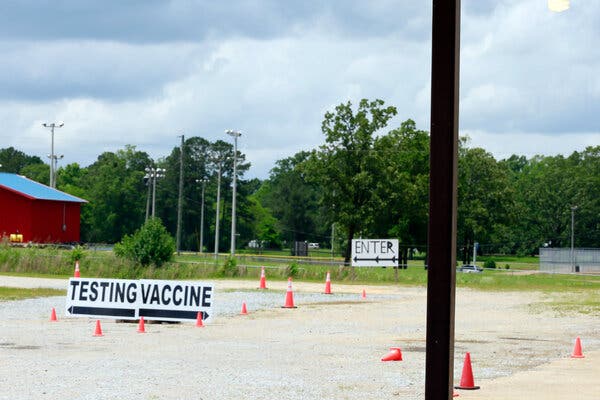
375, 252
132, 299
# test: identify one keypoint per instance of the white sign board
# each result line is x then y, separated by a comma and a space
375, 252
132, 299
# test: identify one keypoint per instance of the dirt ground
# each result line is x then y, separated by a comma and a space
329, 348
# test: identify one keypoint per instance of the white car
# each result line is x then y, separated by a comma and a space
470, 269
313, 245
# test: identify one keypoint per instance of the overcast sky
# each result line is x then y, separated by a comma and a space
143, 72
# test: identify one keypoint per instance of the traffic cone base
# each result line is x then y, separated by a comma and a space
467, 387
53, 315
466, 380
577, 353
395, 354
98, 331
141, 326
244, 309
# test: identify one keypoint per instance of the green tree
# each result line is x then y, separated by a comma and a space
547, 188
151, 244
265, 225
403, 186
345, 166
115, 189
13, 160
199, 162
485, 198
37, 172
587, 220
292, 199
70, 179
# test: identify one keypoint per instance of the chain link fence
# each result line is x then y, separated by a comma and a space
565, 261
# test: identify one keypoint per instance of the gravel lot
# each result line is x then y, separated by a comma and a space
329, 347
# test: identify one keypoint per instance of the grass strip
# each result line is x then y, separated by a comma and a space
11, 293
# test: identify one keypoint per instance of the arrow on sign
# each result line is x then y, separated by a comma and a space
110, 312
176, 314
376, 259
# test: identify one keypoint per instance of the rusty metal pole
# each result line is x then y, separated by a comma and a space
441, 275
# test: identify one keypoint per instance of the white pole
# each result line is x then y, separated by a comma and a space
153, 191
217, 216
52, 156
573, 208
201, 247
235, 136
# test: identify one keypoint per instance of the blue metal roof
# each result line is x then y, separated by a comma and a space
33, 189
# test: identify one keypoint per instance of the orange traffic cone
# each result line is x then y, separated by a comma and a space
53, 315
263, 280
199, 323
577, 353
466, 380
98, 331
328, 283
141, 326
395, 354
244, 309
364, 294
289, 296
77, 274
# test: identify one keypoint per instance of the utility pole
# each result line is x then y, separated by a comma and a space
201, 244
53, 158
332, 237
149, 184
219, 162
235, 135
573, 208
153, 174
180, 199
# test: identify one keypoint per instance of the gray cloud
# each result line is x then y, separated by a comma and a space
143, 72
108, 70
157, 21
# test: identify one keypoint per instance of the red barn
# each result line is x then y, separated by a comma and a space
32, 212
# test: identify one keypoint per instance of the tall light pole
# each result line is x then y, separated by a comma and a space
219, 162
180, 198
573, 208
56, 158
149, 184
235, 135
52, 157
201, 246
154, 174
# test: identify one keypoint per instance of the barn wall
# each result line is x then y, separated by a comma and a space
15, 214
55, 221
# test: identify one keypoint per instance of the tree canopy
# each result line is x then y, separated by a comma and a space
366, 179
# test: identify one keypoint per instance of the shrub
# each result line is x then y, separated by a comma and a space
151, 244
292, 270
77, 254
230, 267
489, 264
